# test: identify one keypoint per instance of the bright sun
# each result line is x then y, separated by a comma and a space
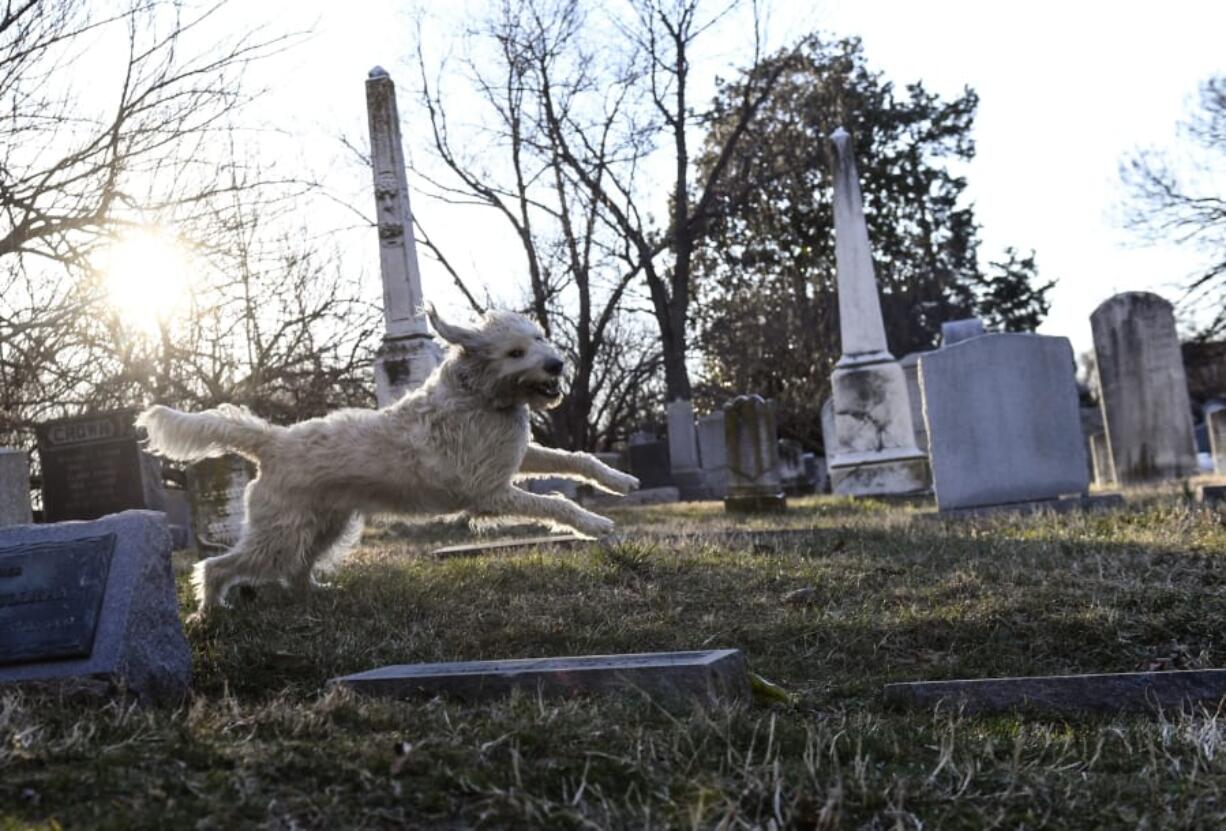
146, 277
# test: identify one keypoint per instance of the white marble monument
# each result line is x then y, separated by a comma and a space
683, 450
874, 450
408, 354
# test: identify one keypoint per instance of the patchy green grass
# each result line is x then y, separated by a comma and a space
895, 598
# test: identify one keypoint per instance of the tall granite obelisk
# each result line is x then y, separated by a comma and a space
874, 448
408, 353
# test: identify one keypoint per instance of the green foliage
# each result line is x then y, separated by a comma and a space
767, 307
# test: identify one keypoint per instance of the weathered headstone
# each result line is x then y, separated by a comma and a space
754, 481
217, 489
1215, 423
649, 462
910, 373
14, 487
713, 454
1100, 454
1002, 421
408, 354
93, 602
683, 450
92, 466
874, 451
1144, 389
956, 331
670, 678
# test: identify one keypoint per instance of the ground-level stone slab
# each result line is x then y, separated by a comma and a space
473, 549
88, 603
1108, 693
1095, 502
675, 678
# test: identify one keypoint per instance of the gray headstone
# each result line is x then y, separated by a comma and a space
90, 602
828, 434
1100, 454
1002, 421
956, 331
216, 490
1144, 389
792, 467
14, 487
713, 454
92, 466
1215, 421
682, 440
649, 462
754, 480
910, 373
179, 515
672, 678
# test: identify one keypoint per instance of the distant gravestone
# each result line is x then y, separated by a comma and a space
956, 331
93, 602
754, 481
1100, 454
910, 374
1002, 421
1144, 389
486, 546
828, 435
713, 454
92, 466
216, 490
792, 467
552, 484
683, 450
671, 678
1215, 423
649, 462
14, 487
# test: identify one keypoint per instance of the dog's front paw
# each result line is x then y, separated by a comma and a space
622, 483
596, 526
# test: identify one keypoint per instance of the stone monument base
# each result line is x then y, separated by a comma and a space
402, 364
758, 503
890, 477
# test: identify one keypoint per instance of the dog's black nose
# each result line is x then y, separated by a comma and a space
553, 367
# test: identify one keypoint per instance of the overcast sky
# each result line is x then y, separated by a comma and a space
1066, 90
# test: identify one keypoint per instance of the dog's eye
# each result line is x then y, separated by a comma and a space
515, 353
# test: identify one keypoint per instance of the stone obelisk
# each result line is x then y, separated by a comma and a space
408, 353
874, 450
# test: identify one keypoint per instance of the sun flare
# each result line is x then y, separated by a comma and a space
146, 277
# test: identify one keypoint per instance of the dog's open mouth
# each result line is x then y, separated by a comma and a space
546, 389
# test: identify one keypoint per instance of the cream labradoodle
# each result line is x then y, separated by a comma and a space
455, 444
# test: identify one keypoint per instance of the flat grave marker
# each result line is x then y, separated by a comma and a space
1104, 693
669, 677
471, 549
92, 603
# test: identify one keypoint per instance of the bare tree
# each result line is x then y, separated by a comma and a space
1184, 200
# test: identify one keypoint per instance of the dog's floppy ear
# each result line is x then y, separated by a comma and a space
466, 338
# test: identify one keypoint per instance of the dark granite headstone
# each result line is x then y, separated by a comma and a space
668, 677
649, 462
93, 603
92, 466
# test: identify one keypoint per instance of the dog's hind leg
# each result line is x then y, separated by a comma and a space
338, 534
556, 510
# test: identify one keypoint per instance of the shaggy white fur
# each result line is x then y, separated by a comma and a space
453, 445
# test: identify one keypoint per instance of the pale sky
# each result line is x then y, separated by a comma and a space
1066, 90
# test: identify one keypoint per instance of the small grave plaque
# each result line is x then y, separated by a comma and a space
669, 677
50, 597
92, 466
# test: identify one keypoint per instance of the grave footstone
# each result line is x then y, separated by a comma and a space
1144, 389
754, 481
217, 490
670, 678
1002, 421
956, 331
93, 603
93, 466
1215, 423
14, 487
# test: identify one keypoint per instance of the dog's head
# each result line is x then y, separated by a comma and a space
505, 359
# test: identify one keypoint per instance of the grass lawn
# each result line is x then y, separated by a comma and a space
262, 745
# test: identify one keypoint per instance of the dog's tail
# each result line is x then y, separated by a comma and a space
191, 436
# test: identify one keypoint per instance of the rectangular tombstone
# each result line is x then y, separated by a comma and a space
1003, 421
1143, 388
910, 373
755, 483
792, 467
1215, 426
682, 439
1100, 454
216, 490
93, 602
93, 466
672, 678
649, 462
14, 487
956, 331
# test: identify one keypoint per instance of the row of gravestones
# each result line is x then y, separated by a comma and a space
93, 466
